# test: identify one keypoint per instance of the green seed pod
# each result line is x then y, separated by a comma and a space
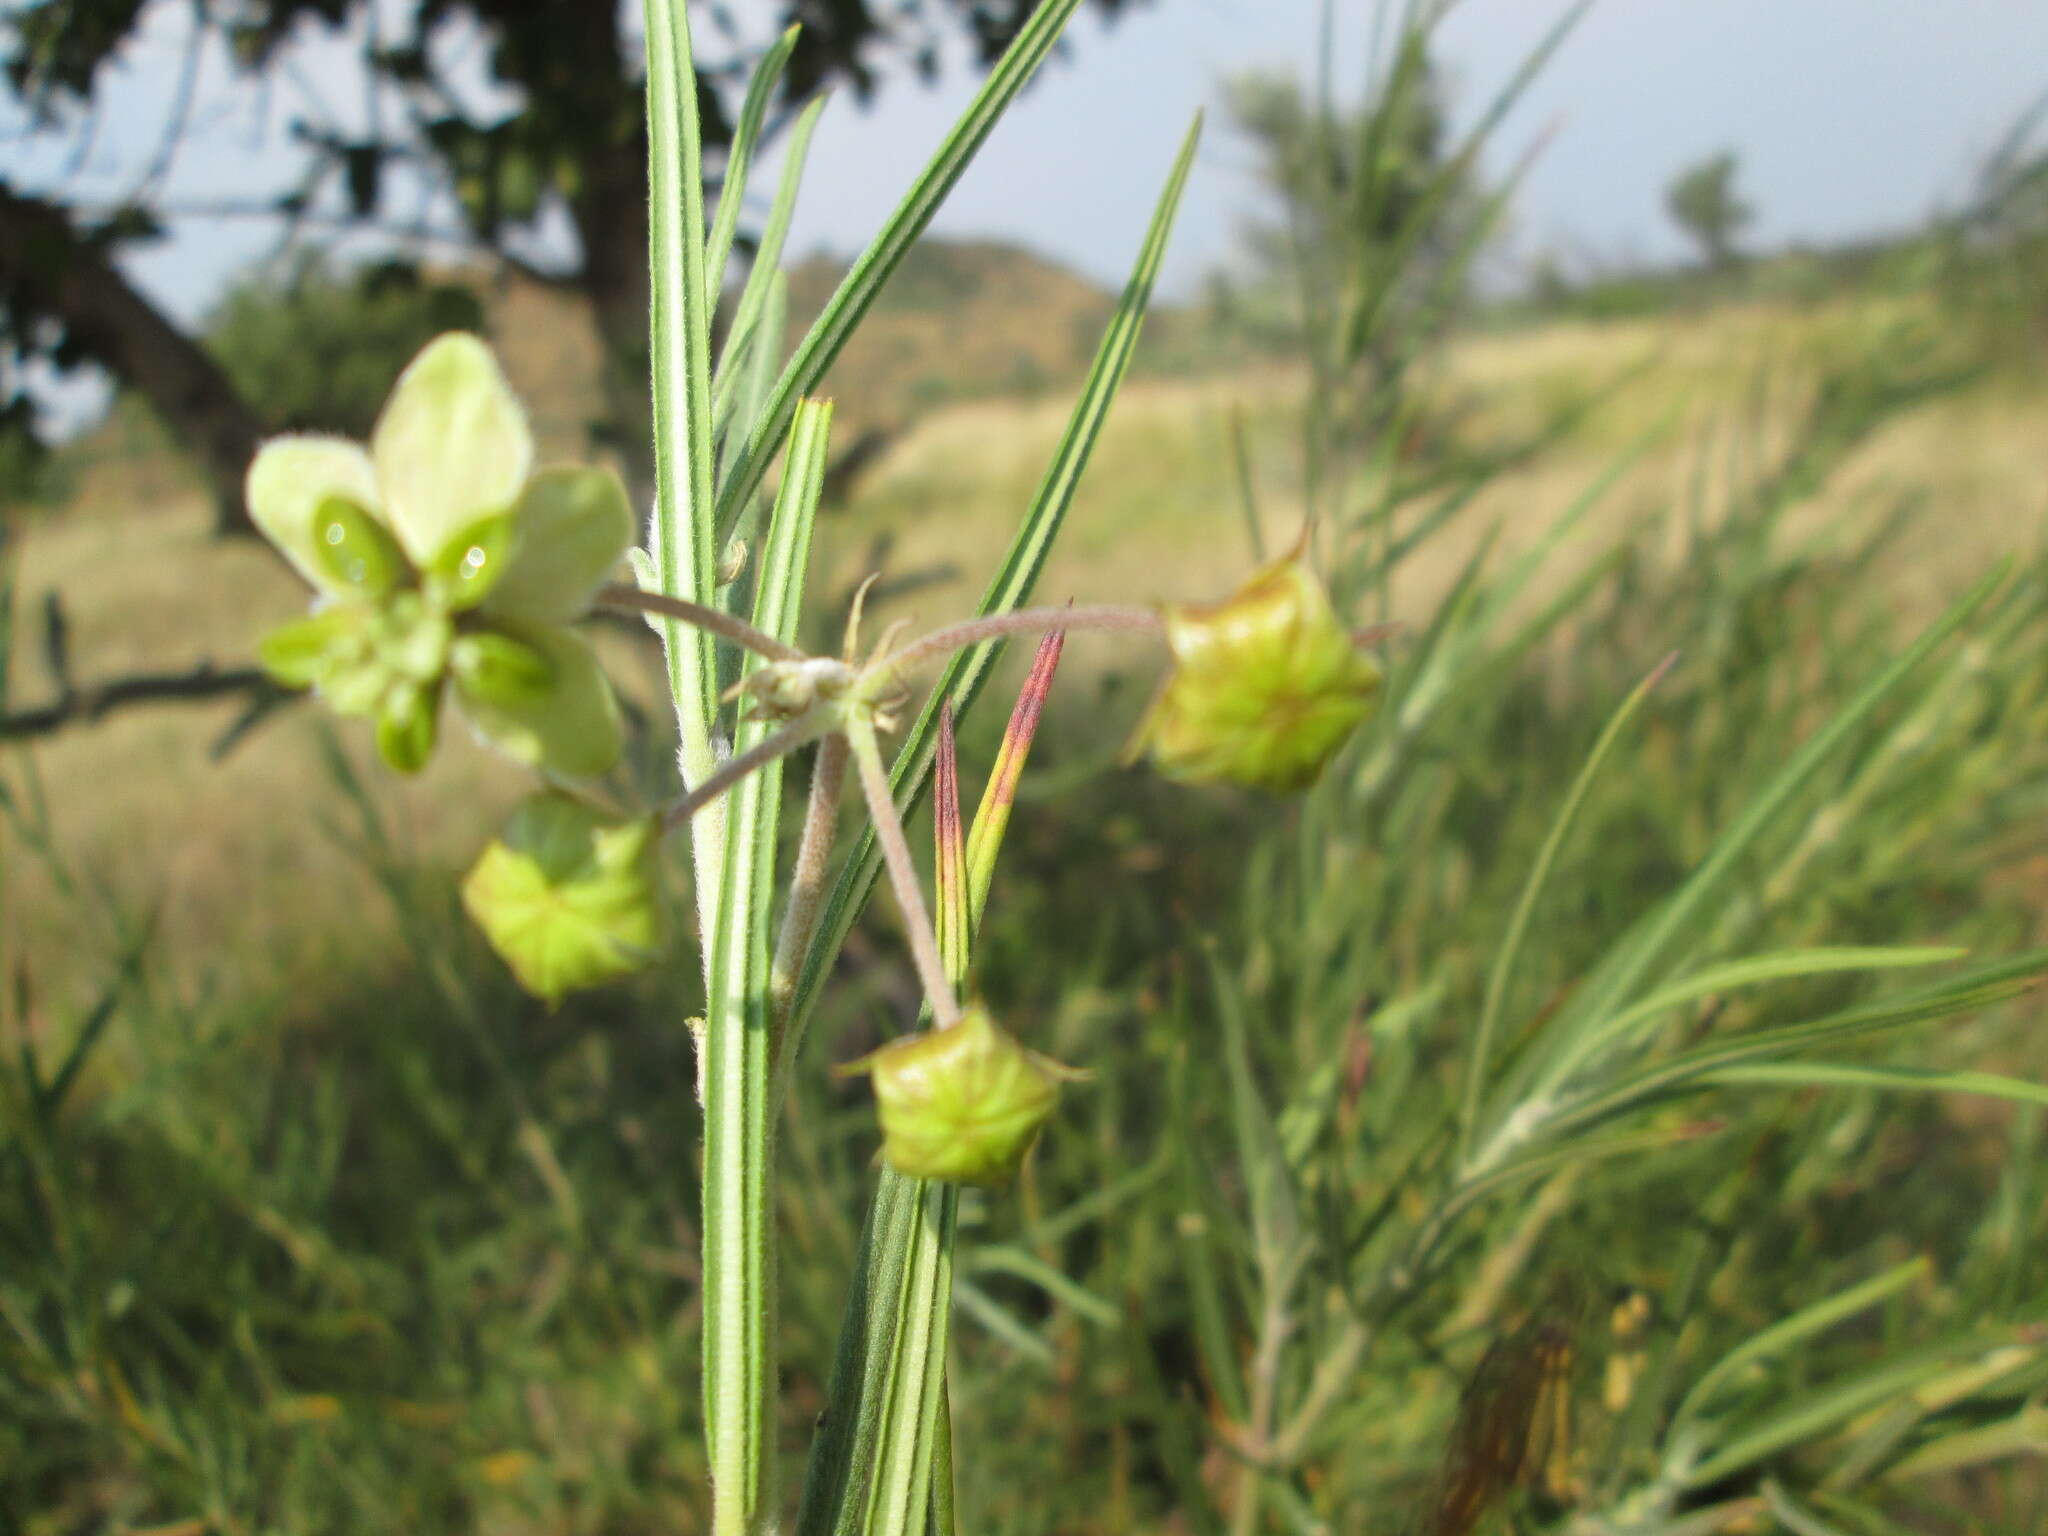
354, 550
1266, 686
567, 896
963, 1103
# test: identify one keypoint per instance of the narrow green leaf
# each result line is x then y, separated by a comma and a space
1655, 941
1004, 1324
1796, 1518
1796, 1329
875, 265
738, 1087
1842, 1074
1808, 1415
1269, 1183
842, 1453
739, 160
1004, 1258
752, 345
1525, 906
680, 344
1780, 965
899, 1498
1978, 989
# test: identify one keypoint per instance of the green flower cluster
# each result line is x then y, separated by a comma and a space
445, 562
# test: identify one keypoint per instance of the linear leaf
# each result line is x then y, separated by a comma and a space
738, 1085
1532, 889
1842, 1074
680, 345
739, 160
1733, 975
1652, 943
1979, 989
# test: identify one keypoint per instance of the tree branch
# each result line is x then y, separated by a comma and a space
198, 684
49, 266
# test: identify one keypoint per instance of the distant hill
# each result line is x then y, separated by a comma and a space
959, 320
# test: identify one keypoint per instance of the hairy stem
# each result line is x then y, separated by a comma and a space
616, 594
807, 881
798, 733
924, 948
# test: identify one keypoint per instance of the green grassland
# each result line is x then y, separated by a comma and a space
334, 1231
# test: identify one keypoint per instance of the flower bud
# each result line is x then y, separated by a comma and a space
566, 896
300, 653
1265, 688
407, 724
963, 1103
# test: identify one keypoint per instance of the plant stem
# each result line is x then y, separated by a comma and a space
796, 734
1118, 617
924, 948
807, 881
616, 594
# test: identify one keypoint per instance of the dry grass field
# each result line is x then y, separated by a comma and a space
242, 888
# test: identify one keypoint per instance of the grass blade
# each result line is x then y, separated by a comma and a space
1654, 942
1992, 984
1782, 965
1525, 905
1843, 1074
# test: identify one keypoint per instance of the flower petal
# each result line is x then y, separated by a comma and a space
451, 447
288, 482
574, 523
571, 726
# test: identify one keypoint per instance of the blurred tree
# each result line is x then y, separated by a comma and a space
516, 124
1374, 218
316, 347
1703, 202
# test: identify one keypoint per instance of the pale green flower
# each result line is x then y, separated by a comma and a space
445, 560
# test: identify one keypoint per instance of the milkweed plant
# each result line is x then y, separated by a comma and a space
452, 570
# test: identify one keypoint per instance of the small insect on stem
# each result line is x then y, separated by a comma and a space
1514, 1425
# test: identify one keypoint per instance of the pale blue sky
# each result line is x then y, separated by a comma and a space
1852, 116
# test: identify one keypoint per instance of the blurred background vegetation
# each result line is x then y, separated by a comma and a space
310, 1222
